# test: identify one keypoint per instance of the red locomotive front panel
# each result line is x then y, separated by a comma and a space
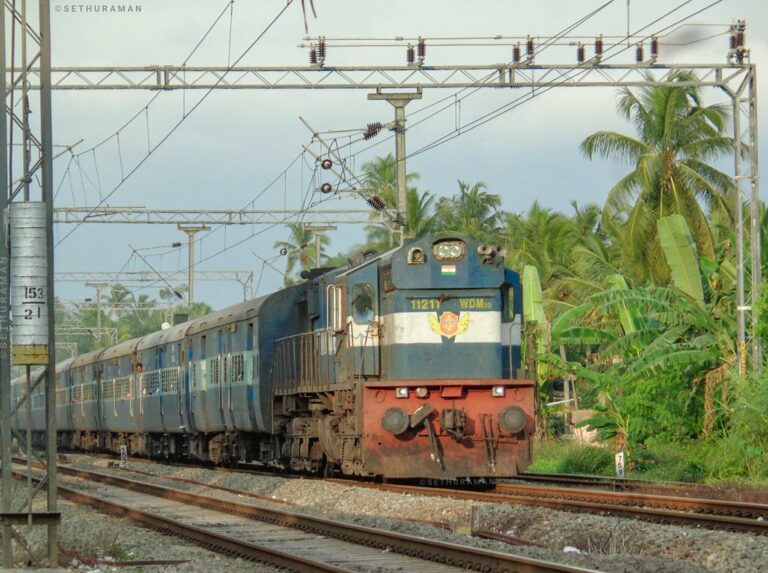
447, 428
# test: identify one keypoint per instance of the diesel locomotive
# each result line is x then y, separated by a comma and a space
405, 365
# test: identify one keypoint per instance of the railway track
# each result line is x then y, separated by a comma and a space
284, 538
619, 484
715, 514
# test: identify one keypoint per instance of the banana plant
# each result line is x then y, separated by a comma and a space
535, 320
636, 336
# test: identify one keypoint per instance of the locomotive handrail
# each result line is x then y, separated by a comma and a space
114, 398
299, 361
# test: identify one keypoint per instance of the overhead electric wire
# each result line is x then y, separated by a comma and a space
527, 97
177, 124
472, 125
515, 103
538, 50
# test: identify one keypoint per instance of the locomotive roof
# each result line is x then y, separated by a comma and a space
373, 259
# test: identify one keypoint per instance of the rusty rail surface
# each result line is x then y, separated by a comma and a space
208, 539
615, 503
447, 554
595, 480
690, 504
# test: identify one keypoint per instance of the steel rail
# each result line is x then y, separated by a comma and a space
209, 539
419, 547
695, 504
726, 522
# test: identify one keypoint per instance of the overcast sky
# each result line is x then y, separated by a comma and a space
226, 153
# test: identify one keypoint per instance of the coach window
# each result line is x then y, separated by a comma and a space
203, 349
362, 303
249, 340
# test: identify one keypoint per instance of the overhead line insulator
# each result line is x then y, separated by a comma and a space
321, 51
372, 130
313, 55
376, 203
529, 47
516, 53
639, 53
580, 53
654, 47
599, 46
410, 55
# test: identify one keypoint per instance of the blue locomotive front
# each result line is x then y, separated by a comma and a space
411, 368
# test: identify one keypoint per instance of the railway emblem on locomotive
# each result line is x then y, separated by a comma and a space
449, 324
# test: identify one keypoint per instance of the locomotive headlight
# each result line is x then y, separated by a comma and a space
422, 392
498, 391
513, 419
401, 392
449, 250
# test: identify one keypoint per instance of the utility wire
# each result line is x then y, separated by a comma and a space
568, 76
177, 124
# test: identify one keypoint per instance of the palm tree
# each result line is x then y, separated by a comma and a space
300, 249
381, 181
116, 301
472, 212
542, 237
677, 137
419, 218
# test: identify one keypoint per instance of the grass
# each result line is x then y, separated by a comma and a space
566, 456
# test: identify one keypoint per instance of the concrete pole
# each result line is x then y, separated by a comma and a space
191, 232
5, 354
318, 231
399, 101
98, 287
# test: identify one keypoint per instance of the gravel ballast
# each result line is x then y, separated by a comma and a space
605, 543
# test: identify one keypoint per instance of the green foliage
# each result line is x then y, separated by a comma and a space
680, 252
472, 211
679, 461
131, 316
587, 460
761, 328
677, 136
301, 250
740, 450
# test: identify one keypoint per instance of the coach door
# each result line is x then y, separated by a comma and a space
363, 321
69, 395
187, 358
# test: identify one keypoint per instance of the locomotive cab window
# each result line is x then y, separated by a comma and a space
362, 303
